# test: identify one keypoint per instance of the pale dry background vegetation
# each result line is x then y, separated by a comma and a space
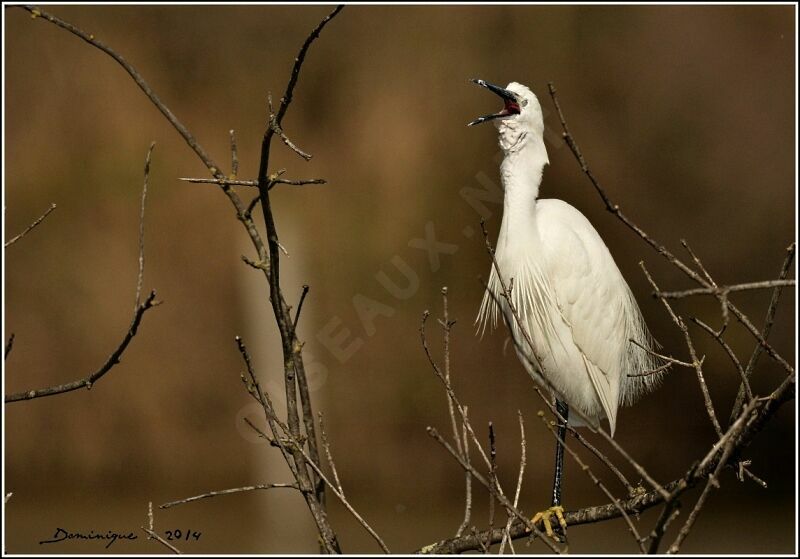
686, 114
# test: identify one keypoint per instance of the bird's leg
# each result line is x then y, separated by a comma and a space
563, 410
556, 509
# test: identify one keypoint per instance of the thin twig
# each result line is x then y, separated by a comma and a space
664, 357
30, 227
446, 325
300, 304
229, 492
711, 483
190, 140
769, 284
461, 446
327, 448
768, 322
522, 462
140, 277
254, 388
253, 183
90, 380
297, 445
450, 391
698, 364
9, 345
251, 206
763, 411
492, 476
604, 459
161, 540
744, 471
722, 296
234, 155
735, 360
467, 476
276, 128
138, 313
528, 525
339, 495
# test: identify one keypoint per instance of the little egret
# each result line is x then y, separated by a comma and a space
569, 296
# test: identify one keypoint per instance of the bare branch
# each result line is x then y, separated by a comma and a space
450, 392
492, 476
712, 482
229, 492
160, 540
300, 304
664, 357
30, 227
91, 379
254, 183
522, 462
140, 277
234, 156
735, 360
467, 477
250, 226
327, 448
488, 537
9, 345
604, 459
768, 321
724, 289
762, 412
698, 364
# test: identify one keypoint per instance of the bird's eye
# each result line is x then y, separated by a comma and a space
524, 103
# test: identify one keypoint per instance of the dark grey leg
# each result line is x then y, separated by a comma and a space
563, 409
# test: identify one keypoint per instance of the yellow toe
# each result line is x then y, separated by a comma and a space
545, 517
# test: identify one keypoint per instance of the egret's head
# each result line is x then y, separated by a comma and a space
521, 114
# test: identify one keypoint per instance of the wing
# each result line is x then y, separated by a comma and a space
591, 295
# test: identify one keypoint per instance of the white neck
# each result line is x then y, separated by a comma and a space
521, 173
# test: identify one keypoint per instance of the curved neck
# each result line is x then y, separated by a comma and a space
521, 173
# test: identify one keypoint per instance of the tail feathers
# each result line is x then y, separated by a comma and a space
640, 361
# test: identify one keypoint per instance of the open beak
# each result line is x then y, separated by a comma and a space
511, 105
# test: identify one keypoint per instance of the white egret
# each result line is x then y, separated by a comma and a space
570, 297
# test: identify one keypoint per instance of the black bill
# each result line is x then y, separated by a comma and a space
510, 102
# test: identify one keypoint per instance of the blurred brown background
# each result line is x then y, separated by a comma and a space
685, 113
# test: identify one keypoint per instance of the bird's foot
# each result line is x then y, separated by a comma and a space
545, 517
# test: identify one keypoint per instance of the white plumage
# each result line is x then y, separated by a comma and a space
572, 299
